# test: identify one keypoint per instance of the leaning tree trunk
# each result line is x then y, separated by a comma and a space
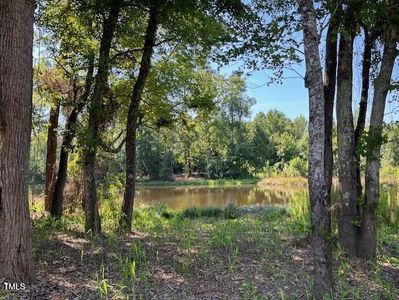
330, 73
368, 238
69, 134
321, 222
92, 222
16, 38
51, 155
361, 120
348, 229
132, 118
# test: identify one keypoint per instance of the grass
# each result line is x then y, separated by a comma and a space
246, 253
283, 181
201, 182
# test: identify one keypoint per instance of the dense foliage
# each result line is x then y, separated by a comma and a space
225, 141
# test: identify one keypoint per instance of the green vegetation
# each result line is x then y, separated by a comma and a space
200, 182
257, 253
206, 146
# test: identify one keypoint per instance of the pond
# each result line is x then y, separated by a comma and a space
179, 198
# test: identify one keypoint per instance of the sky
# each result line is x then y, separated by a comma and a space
289, 97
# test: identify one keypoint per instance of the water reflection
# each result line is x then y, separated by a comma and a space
179, 198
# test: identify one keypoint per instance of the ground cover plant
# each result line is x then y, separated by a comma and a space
207, 253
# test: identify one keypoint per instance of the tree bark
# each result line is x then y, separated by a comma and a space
361, 120
70, 131
58, 195
132, 118
321, 223
93, 222
348, 227
51, 156
368, 237
330, 76
16, 38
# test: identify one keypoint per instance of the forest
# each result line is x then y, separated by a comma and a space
135, 162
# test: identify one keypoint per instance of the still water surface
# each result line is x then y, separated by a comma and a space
179, 198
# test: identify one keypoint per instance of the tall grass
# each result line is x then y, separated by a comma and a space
389, 205
299, 210
388, 209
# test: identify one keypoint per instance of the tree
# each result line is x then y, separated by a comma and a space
361, 119
69, 134
154, 157
54, 90
235, 109
51, 156
348, 230
357, 225
16, 32
368, 229
70, 39
198, 33
132, 119
321, 220
391, 148
92, 221
262, 150
330, 81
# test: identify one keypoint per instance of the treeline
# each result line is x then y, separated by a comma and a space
269, 144
214, 147
218, 144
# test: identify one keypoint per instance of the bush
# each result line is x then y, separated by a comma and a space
198, 212
296, 167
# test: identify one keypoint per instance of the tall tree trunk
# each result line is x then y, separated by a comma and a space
368, 240
16, 38
330, 76
361, 120
51, 155
92, 222
321, 222
132, 118
348, 229
69, 134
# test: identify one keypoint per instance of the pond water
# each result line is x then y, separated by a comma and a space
179, 198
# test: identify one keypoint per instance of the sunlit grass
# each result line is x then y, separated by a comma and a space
276, 181
201, 182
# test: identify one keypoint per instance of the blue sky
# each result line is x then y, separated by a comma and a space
290, 97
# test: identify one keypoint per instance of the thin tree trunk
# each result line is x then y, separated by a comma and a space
70, 131
16, 39
58, 195
51, 156
330, 76
93, 222
361, 120
132, 118
321, 222
348, 229
368, 240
